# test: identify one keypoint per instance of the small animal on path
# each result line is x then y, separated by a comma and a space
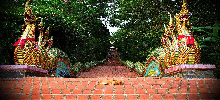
111, 82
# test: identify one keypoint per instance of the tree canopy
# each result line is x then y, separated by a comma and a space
74, 25
78, 30
142, 21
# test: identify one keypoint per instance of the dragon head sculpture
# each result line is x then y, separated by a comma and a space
28, 15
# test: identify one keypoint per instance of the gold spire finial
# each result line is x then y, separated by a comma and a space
171, 24
28, 15
165, 27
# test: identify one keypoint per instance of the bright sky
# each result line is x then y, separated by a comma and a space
106, 22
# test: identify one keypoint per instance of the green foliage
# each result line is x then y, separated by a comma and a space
143, 23
75, 27
210, 49
142, 30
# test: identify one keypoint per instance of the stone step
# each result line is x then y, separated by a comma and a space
108, 71
87, 88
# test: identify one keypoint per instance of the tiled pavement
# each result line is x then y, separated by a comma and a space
140, 88
86, 87
109, 71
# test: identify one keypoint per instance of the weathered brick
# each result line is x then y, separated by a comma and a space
193, 97
205, 96
202, 86
192, 82
65, 79
176, 82
26, 90
97, 91
160, 82
52, 83
144, 97
193, 90
129, 91
184, 82
182, 90
162, 91
119, 91
68, 83
119, 97
36, 79
165, 86
172, 91
147, 86
95, 97
84, 82
211, 85
58, 79
156, 97
184, 86
24, 96
27, 86
71, 86
76, 83
169, 97
200, 82
107, 97
108, 91
151, 82
100, 87
208, 81
181, 96
45, 91
70, 97
178, 78
131, 97
214, 90
9, 86
90, 86
81, 86
66, 91
203, 90
35, 96
156, 86
118, 86
82, 97
150, 91
87, 92
45, 86
16, 91
58, 97
76, 91
163, 79
175, 85
136, 87
18, 86
62, 87
55, 91
12, 96
109, 87
128, 86
140, 91
36, 91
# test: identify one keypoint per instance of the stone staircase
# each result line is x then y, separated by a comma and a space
139, 88
108, 71
86, 87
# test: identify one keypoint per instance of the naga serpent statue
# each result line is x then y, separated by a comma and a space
177, 49
29, 52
